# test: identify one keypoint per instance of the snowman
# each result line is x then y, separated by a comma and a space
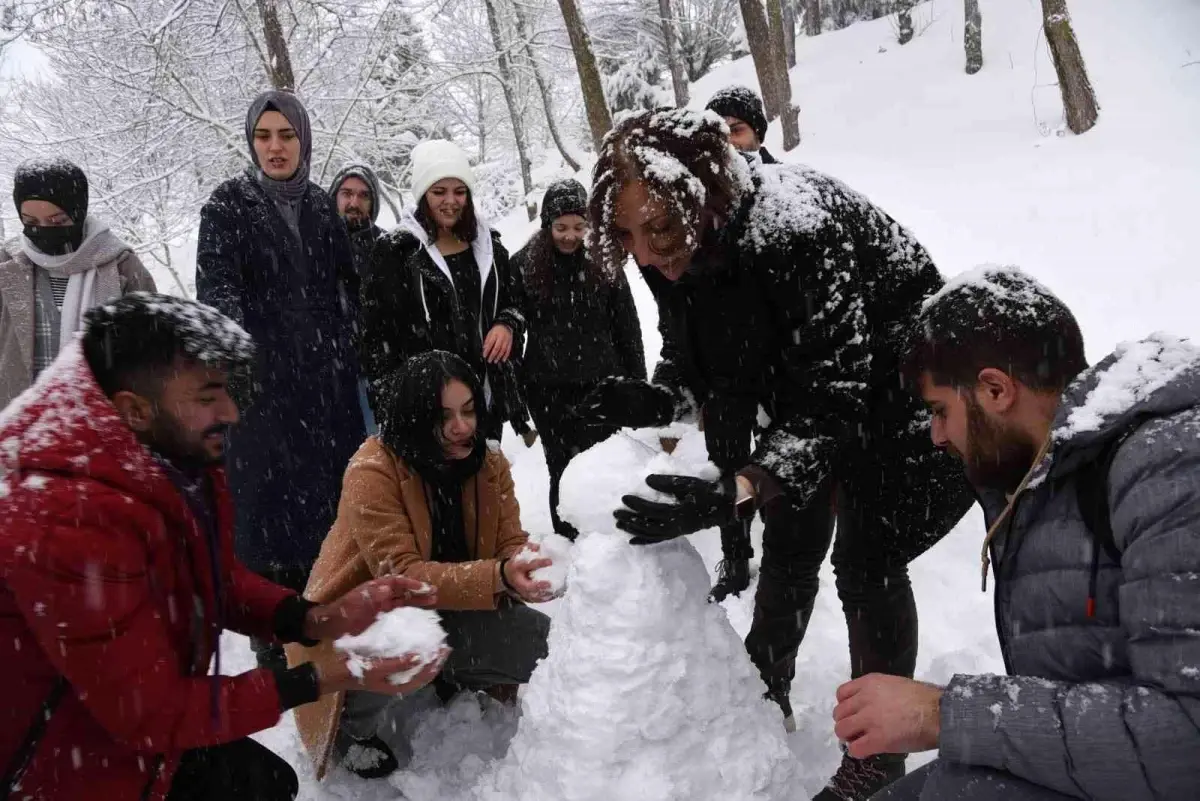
647, 693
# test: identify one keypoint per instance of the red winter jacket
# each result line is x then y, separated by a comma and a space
96, 587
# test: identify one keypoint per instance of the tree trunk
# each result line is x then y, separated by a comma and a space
789, 114
973, 36
812, 17
905, 20
599, 119
543, 88
1079, 100
758, 37
279, 66
789, 31
678, 80
507, 82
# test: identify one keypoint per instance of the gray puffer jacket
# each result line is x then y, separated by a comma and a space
1108, 706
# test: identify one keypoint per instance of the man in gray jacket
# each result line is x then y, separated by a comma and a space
1090, 484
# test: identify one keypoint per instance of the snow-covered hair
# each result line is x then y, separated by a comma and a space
686, 161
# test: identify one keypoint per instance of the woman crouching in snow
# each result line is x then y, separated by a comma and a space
427, 499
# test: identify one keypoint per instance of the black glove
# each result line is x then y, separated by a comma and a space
702, 504
627, 402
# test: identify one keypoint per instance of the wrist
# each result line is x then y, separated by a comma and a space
504, 582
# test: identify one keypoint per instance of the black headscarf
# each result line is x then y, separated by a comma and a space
410, 425
287, 104
59, 182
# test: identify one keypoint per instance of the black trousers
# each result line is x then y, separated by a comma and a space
239, 771
562, 435
887, 512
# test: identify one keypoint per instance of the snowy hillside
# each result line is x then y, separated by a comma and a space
978, 167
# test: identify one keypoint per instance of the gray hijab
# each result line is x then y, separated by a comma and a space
289, 192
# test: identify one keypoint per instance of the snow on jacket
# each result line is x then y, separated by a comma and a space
383, 527
1105, 707
584, 330
105, 581
799, 305
302, 422
410, 305
18, 287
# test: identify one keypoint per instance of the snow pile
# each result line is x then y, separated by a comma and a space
558, 550
400, 632
647, 692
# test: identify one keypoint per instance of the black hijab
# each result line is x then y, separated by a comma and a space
59, 182
410, 426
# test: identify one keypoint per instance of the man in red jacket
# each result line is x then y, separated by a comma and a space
117, 576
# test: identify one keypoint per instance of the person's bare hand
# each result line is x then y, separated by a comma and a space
520, 578
497, 347
357, 609
880, 714
377, 673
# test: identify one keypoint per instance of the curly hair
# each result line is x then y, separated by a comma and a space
683, 156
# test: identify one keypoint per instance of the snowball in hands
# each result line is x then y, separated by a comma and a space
400, 632
555, 548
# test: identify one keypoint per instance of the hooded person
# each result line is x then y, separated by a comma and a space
583, 327
65, 263
429, 500
355, 190
442, 281
274, 257
742, 109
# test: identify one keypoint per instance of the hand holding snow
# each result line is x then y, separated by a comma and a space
555, 548
400, 632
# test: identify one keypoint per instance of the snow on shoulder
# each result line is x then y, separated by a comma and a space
647, 692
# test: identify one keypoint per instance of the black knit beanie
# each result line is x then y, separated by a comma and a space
565, 196
741, 103
59, 182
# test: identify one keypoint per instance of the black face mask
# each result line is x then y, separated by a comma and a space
55, 240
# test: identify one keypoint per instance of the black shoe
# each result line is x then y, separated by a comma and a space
859, 779
370, 759
733, 576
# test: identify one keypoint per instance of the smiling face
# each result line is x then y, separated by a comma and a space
447, 199
650, 233
354, 202
276, 146
459, 420
568, 232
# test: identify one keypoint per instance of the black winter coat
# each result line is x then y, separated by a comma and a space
799, 304
410, 306
362, 243
297, 299
583, 329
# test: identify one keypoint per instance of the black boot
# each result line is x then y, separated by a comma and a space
733, 576
859, 779
370, 759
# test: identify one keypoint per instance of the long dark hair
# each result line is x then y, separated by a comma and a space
466, 229
686, 161
411, 415
543, 261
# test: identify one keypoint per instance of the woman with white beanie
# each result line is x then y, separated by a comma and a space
441, 281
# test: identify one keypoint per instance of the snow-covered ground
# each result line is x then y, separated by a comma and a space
979, 167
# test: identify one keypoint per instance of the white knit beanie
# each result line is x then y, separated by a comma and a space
435, 159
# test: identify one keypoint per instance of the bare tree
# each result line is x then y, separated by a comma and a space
762, 50
789, 114
812, 17
279, 63
789, 30
973, 36
671, 51
904, 18
526, 35
599, 119
1079, 100
508, 84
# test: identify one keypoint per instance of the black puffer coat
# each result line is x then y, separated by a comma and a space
298, 300
581, 329
799, 305
410, 306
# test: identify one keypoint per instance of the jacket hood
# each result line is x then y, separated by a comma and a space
1154, 377
364, 174
482, 246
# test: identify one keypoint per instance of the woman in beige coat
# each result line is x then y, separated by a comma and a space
426, 498
65, 263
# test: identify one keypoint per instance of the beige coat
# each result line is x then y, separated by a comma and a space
16, 313
383, 527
